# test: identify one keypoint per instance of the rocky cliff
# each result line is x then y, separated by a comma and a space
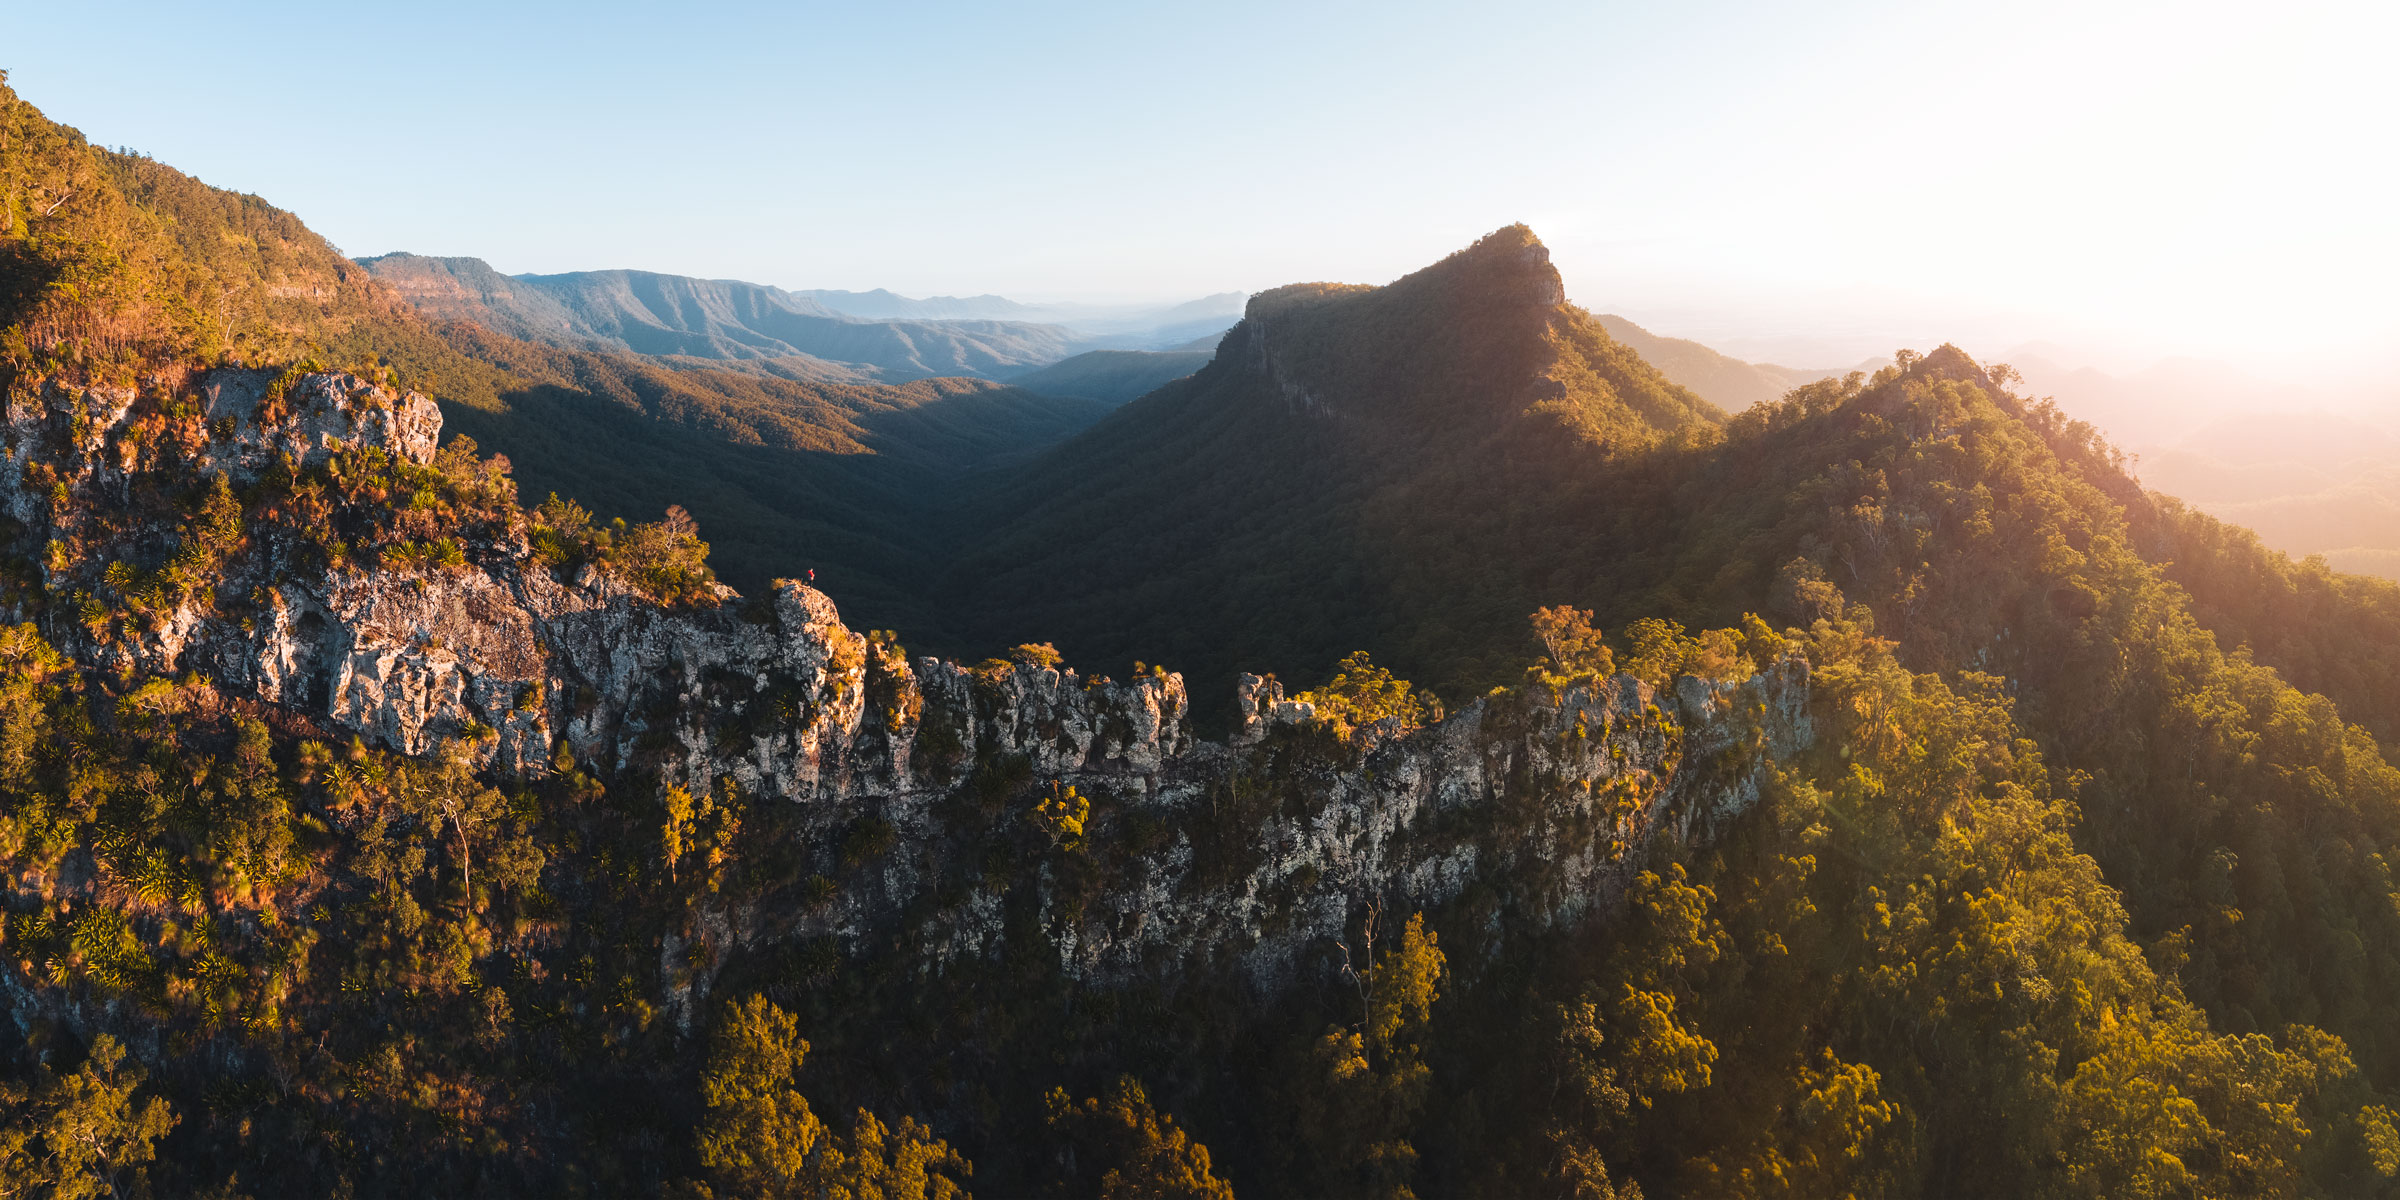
318, 595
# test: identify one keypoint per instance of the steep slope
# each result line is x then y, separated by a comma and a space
364, 833
1113, 376
117, 268
992, 877
1727, 382
1356, 467
1985, 533
643, 312
1982, 532
855, 483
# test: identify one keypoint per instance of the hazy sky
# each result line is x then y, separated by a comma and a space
1784, 180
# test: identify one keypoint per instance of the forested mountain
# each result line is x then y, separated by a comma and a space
791, 475
1113, 376
1886, 796
858, 484
642, 312
1384, 467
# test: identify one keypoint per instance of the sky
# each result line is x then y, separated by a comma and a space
1810, 184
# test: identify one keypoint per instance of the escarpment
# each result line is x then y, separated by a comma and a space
297, 540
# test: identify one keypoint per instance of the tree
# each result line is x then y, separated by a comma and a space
1660, 649
1137, 1152
1370, 1083
671, 836
1575, 645
1037, 654
1361, 693
82, 1136
1061, 816
758, 1132
759, 1138
889, 1162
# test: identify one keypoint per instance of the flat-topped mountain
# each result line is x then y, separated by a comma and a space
1356, 466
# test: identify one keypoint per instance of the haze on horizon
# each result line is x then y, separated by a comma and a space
2124, 181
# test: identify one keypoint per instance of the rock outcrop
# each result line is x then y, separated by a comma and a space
1264, 848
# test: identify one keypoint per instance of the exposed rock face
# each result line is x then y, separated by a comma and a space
1262, 847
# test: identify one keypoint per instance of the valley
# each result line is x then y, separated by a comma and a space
619, 733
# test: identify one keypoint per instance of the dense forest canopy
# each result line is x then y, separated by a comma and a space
2076, 886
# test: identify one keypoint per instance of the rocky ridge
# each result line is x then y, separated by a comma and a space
1266, 846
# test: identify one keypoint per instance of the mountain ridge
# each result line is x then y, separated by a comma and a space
645, 312
1474, 373
367, 832
1728, 382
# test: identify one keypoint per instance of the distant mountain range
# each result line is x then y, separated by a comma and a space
1120, 326
2284, 459
679, 316
1728, 382
813, 336
1949, 815
2308, 482
882, 305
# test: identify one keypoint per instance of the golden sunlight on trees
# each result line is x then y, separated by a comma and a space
758, 1134
1361, 693
758, 1137
1061, 815
81, 1136
1576, 647
1127, 1150
1369, 1083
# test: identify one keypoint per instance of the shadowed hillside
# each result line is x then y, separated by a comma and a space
1113, 376
1357, 467
367, 831
133, 269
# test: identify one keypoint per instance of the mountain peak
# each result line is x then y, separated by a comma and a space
1484, 335
1505, 265
1508, 267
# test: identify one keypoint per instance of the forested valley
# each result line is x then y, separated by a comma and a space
437, 762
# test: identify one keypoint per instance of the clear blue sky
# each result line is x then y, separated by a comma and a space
1813, 178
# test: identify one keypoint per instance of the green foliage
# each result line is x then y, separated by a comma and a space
664, 560
1042, 655
1361, 693
1366, 1086
1060, 816
759, 1134
760, 1139
1576, 647
82, 1135
2083, 888
1118, 1147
